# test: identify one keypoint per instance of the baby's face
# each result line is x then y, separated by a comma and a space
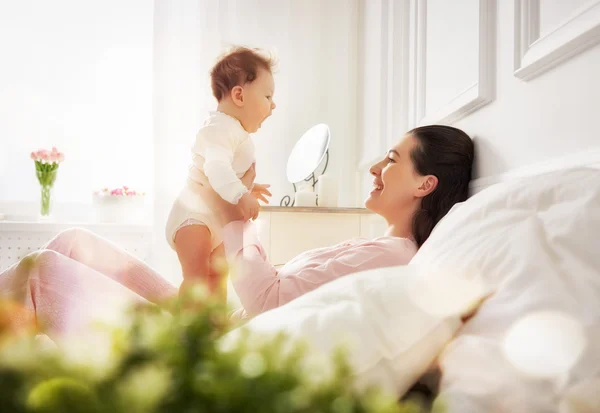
258, 101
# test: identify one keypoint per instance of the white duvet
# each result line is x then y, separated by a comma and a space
533, 346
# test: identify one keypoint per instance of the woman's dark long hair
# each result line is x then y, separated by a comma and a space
447, 153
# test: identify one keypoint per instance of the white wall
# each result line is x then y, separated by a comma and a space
520, 76
543, 117
383, 83
76, 75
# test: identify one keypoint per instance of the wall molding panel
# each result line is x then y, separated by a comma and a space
475, 95
536, 53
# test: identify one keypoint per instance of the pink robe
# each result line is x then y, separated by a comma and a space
79, 277
260, 287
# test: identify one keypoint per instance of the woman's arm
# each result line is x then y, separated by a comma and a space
248, 261
260, 287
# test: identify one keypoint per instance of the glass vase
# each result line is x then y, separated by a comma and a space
46, 174
46, 201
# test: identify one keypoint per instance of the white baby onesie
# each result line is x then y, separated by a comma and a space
221, 155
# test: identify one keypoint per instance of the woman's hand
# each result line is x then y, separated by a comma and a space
249, 176
224, 211
249, 206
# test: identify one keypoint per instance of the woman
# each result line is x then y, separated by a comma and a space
414, 186
79, 276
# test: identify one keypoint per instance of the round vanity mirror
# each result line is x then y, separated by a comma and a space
308, 153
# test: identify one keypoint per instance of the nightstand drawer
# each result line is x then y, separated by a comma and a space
295, 233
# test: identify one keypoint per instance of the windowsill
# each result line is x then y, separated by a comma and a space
68, 215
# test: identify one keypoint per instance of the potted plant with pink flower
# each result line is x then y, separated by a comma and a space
46, 169
121, 204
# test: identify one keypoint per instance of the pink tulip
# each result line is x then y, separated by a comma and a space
33, 156
53, 155
60, 157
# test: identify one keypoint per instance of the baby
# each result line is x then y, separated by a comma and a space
222, 164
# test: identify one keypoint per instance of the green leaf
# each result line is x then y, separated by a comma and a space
177, 361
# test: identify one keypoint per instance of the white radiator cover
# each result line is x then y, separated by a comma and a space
19, 238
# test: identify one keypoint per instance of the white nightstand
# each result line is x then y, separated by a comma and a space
285, 232
288, 231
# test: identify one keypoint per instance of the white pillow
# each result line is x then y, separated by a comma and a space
536, 243
392, 321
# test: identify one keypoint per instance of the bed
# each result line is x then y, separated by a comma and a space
520, 262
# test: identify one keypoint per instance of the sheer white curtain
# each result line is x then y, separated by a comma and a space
316, 45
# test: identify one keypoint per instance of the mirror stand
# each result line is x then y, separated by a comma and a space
288, 200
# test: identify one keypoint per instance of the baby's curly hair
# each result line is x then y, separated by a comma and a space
237, 67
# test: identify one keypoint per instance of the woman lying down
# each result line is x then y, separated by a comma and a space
78, 277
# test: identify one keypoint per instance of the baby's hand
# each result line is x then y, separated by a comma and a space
260, 191
248, 206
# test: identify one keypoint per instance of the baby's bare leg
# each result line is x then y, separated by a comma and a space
193, 247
